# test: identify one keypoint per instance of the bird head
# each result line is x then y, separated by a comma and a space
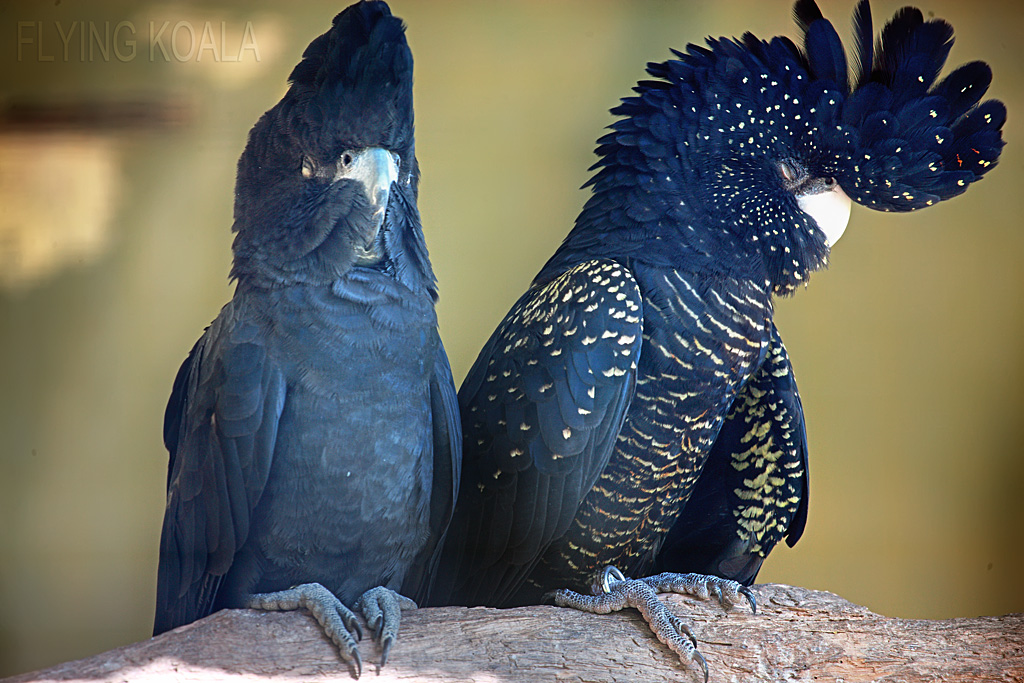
328, 178
749, 152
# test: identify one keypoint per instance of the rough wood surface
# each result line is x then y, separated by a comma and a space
797, 635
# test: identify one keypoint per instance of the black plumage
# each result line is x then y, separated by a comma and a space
313, 430
636, 407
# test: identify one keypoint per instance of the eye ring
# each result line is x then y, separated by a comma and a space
308, 166
346, 159
791, 171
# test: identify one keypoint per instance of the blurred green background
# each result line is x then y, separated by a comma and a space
115, 248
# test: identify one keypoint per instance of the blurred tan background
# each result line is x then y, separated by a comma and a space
115, 248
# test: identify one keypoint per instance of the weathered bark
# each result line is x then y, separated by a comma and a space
797, 635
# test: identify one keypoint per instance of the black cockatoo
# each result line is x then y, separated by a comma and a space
636, 408
313, 430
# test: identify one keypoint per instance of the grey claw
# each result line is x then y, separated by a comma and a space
357, 660
352, 624
374, 624
382, 610
385, 648
703, 663
682, 627
611, 575
749, 595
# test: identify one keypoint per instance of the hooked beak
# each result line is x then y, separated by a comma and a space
830, 209
376, 169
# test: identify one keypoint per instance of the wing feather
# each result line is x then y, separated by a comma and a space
447, 463
541, 408
220, 428
753, 490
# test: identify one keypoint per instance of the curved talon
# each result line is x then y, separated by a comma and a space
703, 663
609, 576
682, 627
385, 648
352, 624
382, 610
373, 620
749, 595
357, 660
375, 626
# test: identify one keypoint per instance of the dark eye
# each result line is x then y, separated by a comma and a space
346, 159
308, 167
791, 170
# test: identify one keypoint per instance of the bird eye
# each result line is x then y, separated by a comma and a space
791, 171
308, 167
346, 159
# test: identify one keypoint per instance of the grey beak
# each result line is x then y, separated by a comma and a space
376, 169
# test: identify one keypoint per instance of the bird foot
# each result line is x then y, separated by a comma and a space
338, 622
613, 592
703, 586
382, 609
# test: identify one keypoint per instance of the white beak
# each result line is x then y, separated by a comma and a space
830, 210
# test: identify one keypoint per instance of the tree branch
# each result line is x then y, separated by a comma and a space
797, 635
